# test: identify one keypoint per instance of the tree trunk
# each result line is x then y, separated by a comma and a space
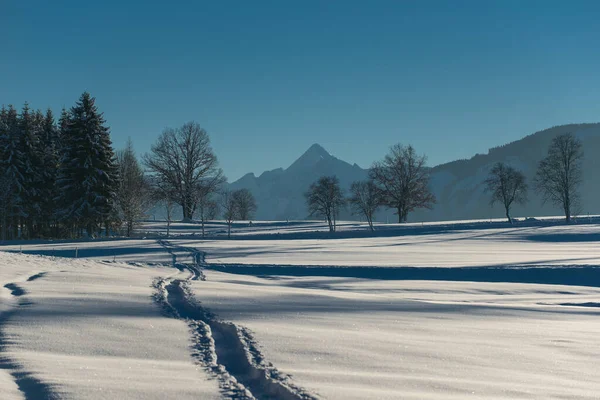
334, 221
402, 215
15, 228
229, 230
202, 228
329, 223
4, 227
508, 215
187, 210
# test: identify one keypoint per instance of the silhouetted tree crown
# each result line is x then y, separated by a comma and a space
507, 186
559, 174
325, 199
245, 204
182, 160
365, 199
403, 181
88, 174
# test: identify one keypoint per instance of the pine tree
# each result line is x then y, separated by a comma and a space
40, 174
88, 176
64, 225
12, 185
63, 124
49, 140
30, 147
5, 182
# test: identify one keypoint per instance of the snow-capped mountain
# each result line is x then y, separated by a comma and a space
458, 185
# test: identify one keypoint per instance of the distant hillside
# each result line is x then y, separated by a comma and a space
458, 185
280, 192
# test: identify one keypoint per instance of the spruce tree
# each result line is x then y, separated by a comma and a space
49, 140
65, 224
63, 123
88, 175
12, 181
30, 146
5, 182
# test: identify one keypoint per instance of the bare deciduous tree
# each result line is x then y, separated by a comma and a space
365, 199
207, 210
507, 186
229, 206
403, 179
245, 203
212, 210
164, 196
325, 198
207, 207
182, 159
133, 199
560, 173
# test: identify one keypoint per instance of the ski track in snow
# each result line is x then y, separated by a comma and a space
30, 387
226, 351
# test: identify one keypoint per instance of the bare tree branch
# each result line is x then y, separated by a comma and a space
403, 180
183, 160
245, 203
365, 199
325, 198
229, 206
559, 175
507, 185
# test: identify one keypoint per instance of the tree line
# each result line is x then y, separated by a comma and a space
401, 182
63, 179
57, 179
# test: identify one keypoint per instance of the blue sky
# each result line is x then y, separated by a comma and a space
267, 79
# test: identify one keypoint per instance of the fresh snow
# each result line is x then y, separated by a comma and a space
531, 246
348, 338
472, 309
90, 330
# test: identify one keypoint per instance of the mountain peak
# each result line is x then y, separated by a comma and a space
317, 149
313, 155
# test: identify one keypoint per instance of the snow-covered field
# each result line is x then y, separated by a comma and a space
482, 247
435, 311
363, 339
79, 329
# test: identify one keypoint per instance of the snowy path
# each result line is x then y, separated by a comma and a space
226, 351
